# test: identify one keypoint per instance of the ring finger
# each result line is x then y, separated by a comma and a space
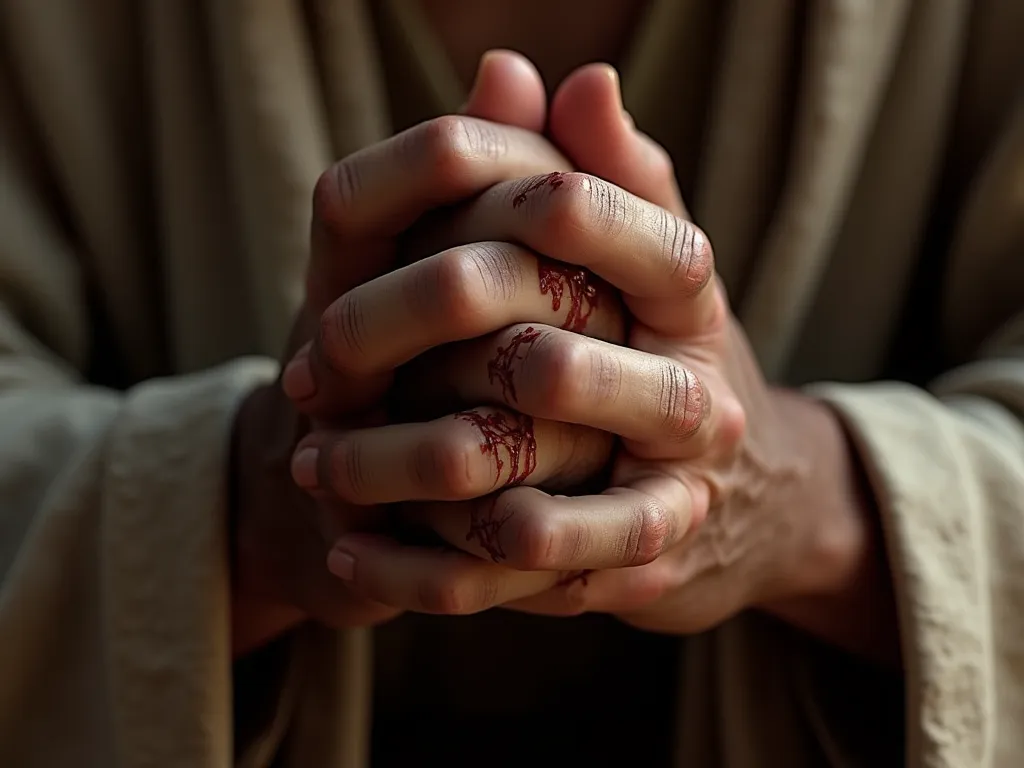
463, 456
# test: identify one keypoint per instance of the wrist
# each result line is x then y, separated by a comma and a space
836, 576
257, 478
833, 507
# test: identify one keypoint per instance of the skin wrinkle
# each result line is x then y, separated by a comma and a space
483, 141
499, 270
345, 460
604, 382
607, 207
668, 396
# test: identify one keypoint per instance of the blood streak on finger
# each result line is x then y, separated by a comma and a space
553, 180
512, 435
502, 369
555, 279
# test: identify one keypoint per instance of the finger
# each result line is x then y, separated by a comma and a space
457, 457
459, 294
616, 590
508, 90
529, 530
361, 204
663, 263
589, 124
432, 581
553, 374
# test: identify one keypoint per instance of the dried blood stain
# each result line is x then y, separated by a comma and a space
553, 180
485, 526
500, 367
555, 279
514, 435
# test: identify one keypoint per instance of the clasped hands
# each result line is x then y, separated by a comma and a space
523, 387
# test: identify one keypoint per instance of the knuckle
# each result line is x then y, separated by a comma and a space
341, 333
441, 595
450, 594
682, 401
649, 531
333, 195
446, 466
455, 290
453, 145
560, 364
499, 268
687, 253
541, 541
590, 204
535, 541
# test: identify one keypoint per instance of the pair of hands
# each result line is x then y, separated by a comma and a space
468, 254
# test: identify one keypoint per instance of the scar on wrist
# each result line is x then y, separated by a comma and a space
552, 180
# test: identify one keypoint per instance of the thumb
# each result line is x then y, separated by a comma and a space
589, 124
508, 90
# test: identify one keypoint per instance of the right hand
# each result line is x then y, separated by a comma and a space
361, 206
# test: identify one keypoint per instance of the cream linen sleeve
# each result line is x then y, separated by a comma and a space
114, 580
947, 466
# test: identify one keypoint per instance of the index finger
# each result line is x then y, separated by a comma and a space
362, 203
661, 262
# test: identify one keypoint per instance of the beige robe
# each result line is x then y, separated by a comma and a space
859, 165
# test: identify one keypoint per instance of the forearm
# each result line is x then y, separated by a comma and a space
838, 565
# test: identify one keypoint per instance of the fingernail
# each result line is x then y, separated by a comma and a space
304, 467
342, 564
297, 381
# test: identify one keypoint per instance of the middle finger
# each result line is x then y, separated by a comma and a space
553, 374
